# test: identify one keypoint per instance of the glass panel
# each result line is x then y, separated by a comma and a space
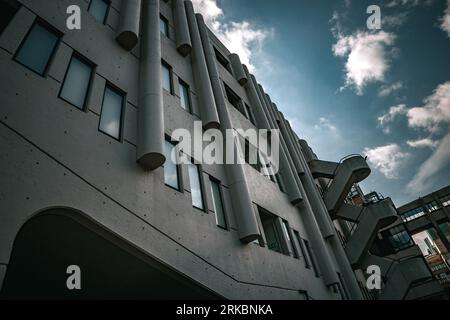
166, 78
111, 116
196, 188
164, 26
290, 244
76, 83
170, 168
218, 205
37, 49
184, 95
98, 9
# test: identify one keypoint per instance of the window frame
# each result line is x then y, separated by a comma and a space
178, 169
170, 69
225, 218
108, 7
223, 61
273, 222
182, 84
166, 32
49, 28
93, 66
202, 187
122, 113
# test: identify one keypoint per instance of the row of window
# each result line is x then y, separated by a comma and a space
274, 232
36, 52
172, 173
399, 238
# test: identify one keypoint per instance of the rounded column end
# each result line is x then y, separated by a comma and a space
127, 39
151, 161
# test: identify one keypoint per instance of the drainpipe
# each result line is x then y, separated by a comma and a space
150, 133
247, 222
130, 17
183, 38
323, 256
238, 70
205, 93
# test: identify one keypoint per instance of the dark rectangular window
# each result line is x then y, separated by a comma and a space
164, 26
99, 9
222, 60
399, 238
167, 77
251, 156
38, 48
171, 169
76, 82
111, 114
8, 9
196, 186
185, 96
303, 250
311, 257
218, 203
271, 232
234, 99
249, 114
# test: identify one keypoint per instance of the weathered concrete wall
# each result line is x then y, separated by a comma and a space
53, 155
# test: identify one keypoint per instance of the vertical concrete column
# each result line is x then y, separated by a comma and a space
246, 219
348, 275
150, 133
238, 69
285, 168
183, 38
203, 83
302, 203
130, 18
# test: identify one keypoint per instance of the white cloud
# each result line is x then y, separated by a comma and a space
367, 57
386, 90
389, 117
326, 124
439, 160
241, 38
445, 21
410, 3
387, 159
434, 113
423, 143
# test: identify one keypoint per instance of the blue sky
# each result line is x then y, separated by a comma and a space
347, 89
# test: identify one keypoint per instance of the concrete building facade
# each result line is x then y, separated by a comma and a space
85, 117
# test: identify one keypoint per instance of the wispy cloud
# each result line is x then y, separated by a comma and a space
445, 21
367, 57
386, 90
242, 38
439, 160
325, 124
389, 117
387, 159
423, 143
434, 113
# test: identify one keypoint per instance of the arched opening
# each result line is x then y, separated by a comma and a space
110, 267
